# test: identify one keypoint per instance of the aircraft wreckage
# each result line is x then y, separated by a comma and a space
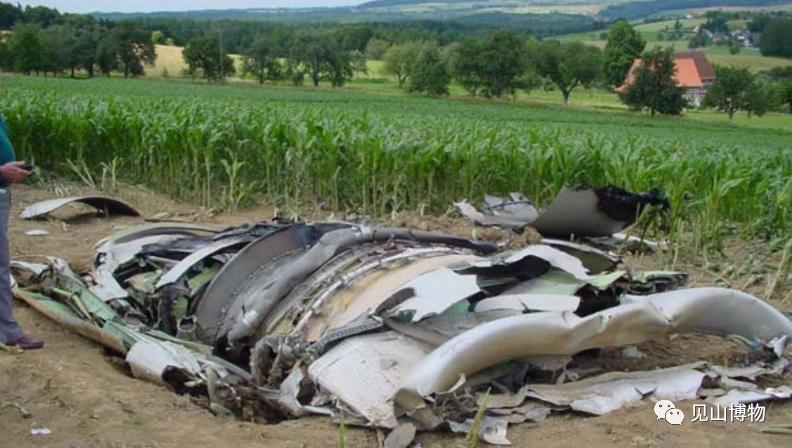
404, 329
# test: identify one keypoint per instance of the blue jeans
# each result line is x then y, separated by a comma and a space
10, 331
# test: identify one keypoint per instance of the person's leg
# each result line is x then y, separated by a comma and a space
10, 330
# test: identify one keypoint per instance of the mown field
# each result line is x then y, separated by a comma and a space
376, 153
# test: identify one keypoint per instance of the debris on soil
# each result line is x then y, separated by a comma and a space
396, 328
108, 206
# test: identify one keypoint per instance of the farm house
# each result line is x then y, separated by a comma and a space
694, 73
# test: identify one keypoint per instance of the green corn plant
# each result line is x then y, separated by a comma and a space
380, 154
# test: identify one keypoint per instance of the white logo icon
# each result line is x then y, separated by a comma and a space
666, 410
661, 407
675, 416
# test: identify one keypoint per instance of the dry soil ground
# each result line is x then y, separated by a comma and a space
87, 398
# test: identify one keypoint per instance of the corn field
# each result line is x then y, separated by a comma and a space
379, 153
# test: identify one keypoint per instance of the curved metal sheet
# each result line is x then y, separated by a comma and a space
147, 230
181, 268
713, 311
218, 300
101, 203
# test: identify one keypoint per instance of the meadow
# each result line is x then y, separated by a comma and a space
375, 153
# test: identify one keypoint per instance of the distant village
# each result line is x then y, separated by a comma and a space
734, 29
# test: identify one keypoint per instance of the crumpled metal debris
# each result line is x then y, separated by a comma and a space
401, 329
581, 212
107, 205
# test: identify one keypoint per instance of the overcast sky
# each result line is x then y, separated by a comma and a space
178, 5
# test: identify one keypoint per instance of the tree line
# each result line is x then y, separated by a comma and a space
497, 65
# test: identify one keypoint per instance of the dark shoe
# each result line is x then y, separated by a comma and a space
28, 343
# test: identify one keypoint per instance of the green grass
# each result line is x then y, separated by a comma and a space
661, 26
376, 152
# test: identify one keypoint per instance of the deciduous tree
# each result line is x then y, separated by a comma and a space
27, 48
567, 65
654, 86
737, 89
777, 38
399, 61
206, 54
134, 48
259, 61
430, 75
623, 47
492, 66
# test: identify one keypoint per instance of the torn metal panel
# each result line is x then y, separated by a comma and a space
36, 269
152, 361
148, 230
433, 293
704, 310
530, 302
516, 206
363, 294
478, 218
258, 307
197, 257
103, 204
401, 437
492, 429
437, 330
531, 261
364, 372
554, 282
611, 391
736, 396
575, 212
218, 307
594, 260
627, 243
65, 316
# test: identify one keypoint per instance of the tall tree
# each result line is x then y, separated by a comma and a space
107, 55
10, 15
134, 48
58, 49
85, 49
567, 65
399, 61
654, 86
502, 62
359, 63
376, 48
340, 67
260, 61
782, 76
777, 38
430, 75
466, 65
623, 47
315, 54
736, 89
207, 55
27, 48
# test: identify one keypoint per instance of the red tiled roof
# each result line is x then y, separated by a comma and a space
692, 70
